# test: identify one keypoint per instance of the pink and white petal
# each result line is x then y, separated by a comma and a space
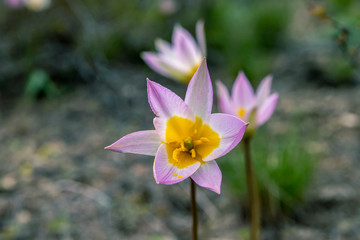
160, 127
154, 62
263, 91
163, 47
199, 94
166, 173
242, 92
267, 109
208, 176
165, 104
200, 36
175, 63
225, 104
185, 45
230, 129
142, 142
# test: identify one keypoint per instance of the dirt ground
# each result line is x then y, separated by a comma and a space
58, 182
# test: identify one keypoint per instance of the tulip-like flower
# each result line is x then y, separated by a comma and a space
180, 59
187, 137
244, 103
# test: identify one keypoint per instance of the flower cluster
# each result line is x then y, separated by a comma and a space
187, 138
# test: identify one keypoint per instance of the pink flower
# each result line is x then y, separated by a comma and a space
244, 103
187, 137
180, 59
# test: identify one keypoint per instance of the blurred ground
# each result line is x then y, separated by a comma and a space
57, 182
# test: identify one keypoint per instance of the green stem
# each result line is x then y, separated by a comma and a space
253, 194
194, 210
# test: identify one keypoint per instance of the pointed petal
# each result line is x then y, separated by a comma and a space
163, 47
208, 176
225, 104
200, 36
185, 45
267, 109
165, 104
166, 173
243, 93
154, 62
142, 142
199, 94
263, 90
231, 130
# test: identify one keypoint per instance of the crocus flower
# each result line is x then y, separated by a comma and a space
180, 59
187, 137
256, 108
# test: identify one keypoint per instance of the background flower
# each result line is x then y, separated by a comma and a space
180, 59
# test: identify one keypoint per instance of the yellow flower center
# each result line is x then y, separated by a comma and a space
191, 73
188, 142
241, 112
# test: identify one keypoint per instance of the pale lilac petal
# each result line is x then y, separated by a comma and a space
199, 94
208, 176
163, 47
164, 103
263, 91
185, 45
267, 109
225, 104
166, 173
154, 62
231, 130
243, 93
160, 127
200, 36
142, 142
175, 63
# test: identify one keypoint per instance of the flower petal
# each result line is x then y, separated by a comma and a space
225, 104
163, 47
199, 94
243, 93
185, 46
166, 173
165, 104
208, 176
267, 109
200, 36
142, 142
231, 130
263, 91
155, 63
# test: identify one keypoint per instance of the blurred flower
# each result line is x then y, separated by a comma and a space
167, 6
14, 3
37, 5
180, 60
187, 137
255, 108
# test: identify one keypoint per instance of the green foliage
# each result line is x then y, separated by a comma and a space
283, 166
39, 84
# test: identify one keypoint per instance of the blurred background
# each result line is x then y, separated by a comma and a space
72, 82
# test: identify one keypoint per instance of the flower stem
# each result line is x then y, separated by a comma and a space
193, 209
253, 194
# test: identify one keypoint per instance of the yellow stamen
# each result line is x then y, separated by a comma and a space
188, 142
241, 112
